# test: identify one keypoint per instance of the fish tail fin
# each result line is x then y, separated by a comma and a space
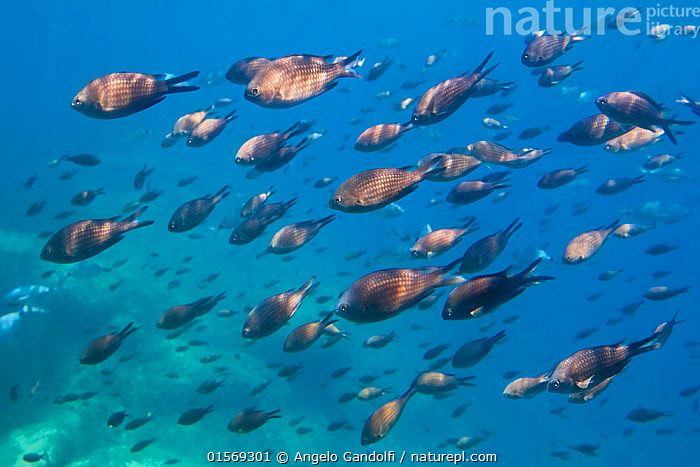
304, 143
348, 65
308, 287
525, 274
481, 66
220, 297
644, 345
577, 36
507, 85
231, 116
273, 414
581, 170
450, 267
673, 321
124, 333
671, 135
464, 381
180, 84
577, 66
639, 179
431, 168
512, 228
131, 222
613, 226
66, 158
290, 131
100, 191
497, 337
221, 194
326, 220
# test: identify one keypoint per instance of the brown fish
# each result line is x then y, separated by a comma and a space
259, 148
664, 293
593, 130
488, 87
384, 418
380, 136
456, 165
634, 139
180, 315
384, 294
294, 79
526, 387
583, 247
249, 420
378, 342
561, 177
254, 203
544, 49
443, 99
557, 74
140, 178
294, 236
305, 335
484, 294
432, 382
375, 188
272, 313
588, 368
251, 228
194, 212
371, 393
185, 124
208, 129
618, 185
663, 331
639, 109
36, 208
474, 351
591, 393
631, 230
485, 251
438, 242
84, 239
101, 348
661, 160
86, 197
378, 69
471, 191
280, 158
192, 416
243, 70
121, 94
86, 160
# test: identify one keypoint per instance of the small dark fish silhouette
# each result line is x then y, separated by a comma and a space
121, 94
260, 148
471, 191
86, 160
474, 351
101, 348
15, 393
305, 335
647, 415
140, 177
618, 185
483, 252
660, 249
431, 382
378, 69
292, 237
488, 87
33, 457
557, 74
184, 181
36, 208
137, 422
534, 132
85, 239
28, 183
192, 416
180, 315
664, 293
116, 419
561, 177
86, 197
192, 213
249, 420
141, 445
208, 129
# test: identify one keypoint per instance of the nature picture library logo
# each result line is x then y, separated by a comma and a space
659, 21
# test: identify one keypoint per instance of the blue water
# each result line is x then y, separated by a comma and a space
52, 50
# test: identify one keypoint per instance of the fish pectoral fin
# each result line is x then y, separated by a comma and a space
584, 384
478, 312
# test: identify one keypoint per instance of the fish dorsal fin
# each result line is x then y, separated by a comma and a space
648, 98
584, 384
426, 230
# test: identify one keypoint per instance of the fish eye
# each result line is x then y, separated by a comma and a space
77, 101
555, 383
414, 252
526, 56
255, 91
337, 200
342, 307
603, 102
